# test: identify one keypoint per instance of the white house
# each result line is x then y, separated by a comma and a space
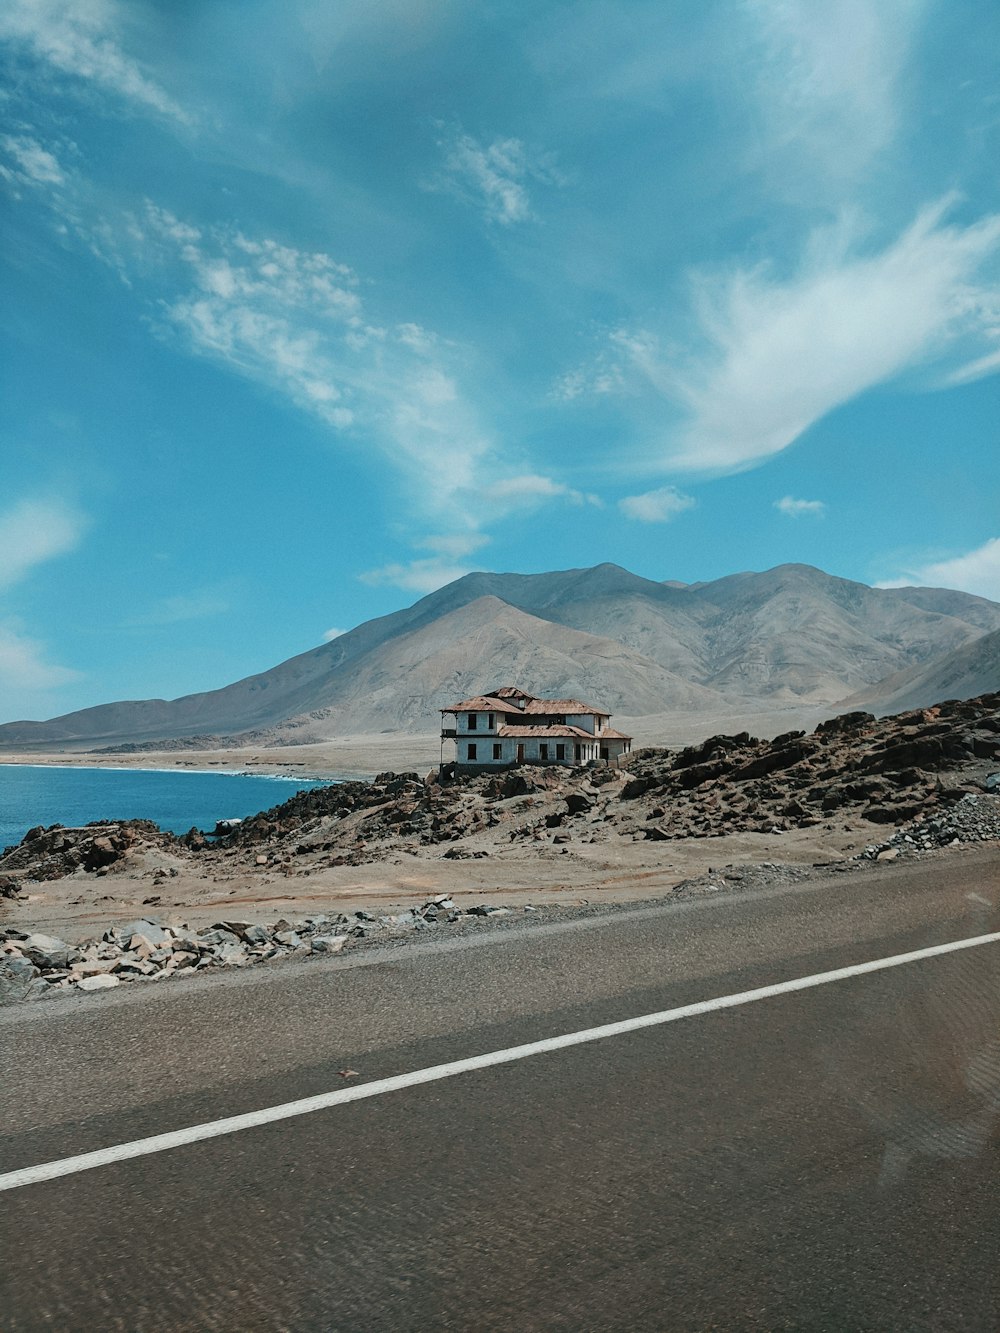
509, 726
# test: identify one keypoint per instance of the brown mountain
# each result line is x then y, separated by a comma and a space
971, 670
791, 636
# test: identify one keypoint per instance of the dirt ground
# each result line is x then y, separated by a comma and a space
623, 871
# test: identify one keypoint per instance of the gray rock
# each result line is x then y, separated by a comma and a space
46, 950
154, 931
103, 981
19, 980
215, 936
328, 943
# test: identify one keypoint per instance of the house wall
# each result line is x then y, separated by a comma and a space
482, 726
585, 721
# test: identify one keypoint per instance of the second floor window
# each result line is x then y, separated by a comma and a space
473, 721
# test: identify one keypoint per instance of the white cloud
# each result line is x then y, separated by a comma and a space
423, 576
82, 38
531, 489
294, 321
37, 165
182, 606
331, 634
779, 354
977, 369
455, 545
658, 506
34, 531
796, 508
495, 176
976, 571
23, 665
828, 83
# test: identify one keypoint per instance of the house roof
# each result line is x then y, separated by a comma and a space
502, 701
482, 703
614, 735
577, 733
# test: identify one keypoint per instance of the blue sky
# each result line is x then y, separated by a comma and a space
309, 308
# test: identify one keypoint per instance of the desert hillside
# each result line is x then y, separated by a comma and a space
750, 645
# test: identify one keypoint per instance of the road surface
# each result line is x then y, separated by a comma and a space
823, 1158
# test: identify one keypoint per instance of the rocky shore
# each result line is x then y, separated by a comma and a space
925, 780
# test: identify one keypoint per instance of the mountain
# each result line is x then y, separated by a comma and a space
969, 671
758, 642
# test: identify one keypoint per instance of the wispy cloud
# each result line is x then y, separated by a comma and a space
33, 531
447, 562
180, 607
23, 664
532, 488
658, 506
494, 177
977, 571
331, 634
31, 163
797, 508
84, 40
423, 576
828, 82
778, 354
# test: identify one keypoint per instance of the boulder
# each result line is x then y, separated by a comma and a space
19, 980
46, 950
328, 943
103, 981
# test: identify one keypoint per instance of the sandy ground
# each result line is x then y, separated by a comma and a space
621, 871
614, 871
346, 757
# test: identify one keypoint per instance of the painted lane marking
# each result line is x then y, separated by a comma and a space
121, 1152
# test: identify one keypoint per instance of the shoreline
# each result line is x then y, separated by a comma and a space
346, 759
142, 768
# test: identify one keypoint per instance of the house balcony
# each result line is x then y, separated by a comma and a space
448, 733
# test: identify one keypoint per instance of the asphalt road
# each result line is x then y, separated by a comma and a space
825, 1159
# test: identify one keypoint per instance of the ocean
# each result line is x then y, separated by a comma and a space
43, 794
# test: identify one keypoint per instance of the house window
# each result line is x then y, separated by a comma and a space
576, 753
559, 720
543, 751
491, 722
498, 751
560, 752
472, 752
604, 752
473, 721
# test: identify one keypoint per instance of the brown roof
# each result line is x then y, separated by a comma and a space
615, 735
494, 703
483, 703
562, 706
576, 732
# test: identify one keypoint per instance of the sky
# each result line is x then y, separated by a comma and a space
308, 309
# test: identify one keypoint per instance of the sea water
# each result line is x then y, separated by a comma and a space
32, 794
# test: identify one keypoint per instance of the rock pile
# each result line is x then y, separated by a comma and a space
34, 965
50, 853
974, 818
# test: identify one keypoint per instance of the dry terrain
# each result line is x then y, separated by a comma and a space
358, 860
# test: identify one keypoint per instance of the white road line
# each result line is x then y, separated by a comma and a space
121, 1152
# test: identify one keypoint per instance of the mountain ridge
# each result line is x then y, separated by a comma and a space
752, 641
